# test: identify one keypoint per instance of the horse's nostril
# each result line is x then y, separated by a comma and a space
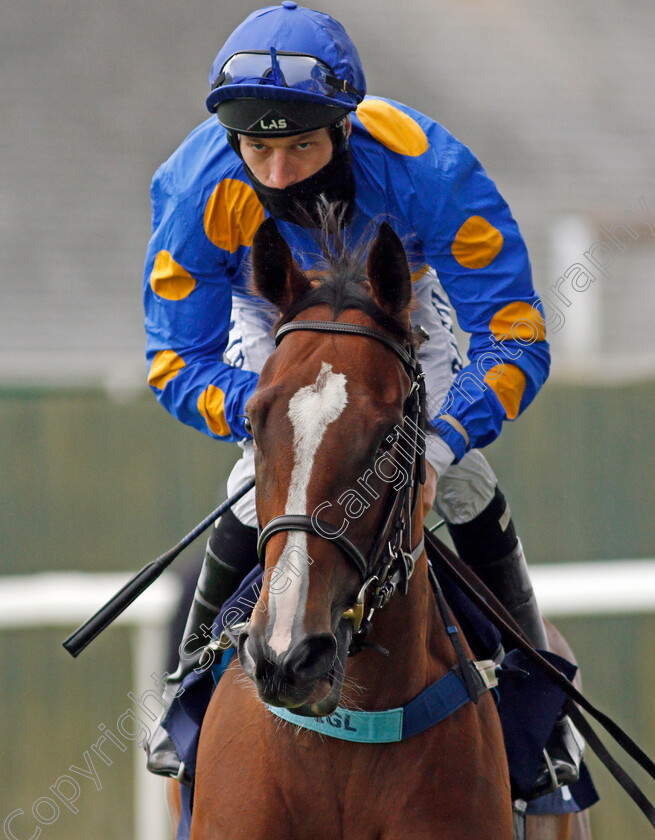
247, 655
312, 657
266, 671
255, 660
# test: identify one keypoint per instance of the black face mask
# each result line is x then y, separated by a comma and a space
298, 203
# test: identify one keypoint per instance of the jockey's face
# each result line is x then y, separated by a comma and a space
279, 162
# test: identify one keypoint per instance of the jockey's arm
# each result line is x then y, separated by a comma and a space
185, 367
475, 246
187, 319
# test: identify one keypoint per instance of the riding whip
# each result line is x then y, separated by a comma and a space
91, 628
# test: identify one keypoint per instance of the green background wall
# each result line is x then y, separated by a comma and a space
92, 484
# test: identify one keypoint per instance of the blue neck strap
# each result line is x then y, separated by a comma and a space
432, 705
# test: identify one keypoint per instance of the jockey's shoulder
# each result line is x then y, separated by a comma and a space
203, 158
398, 128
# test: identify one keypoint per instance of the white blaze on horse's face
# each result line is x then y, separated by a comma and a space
311, 410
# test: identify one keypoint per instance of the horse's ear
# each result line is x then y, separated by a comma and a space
388, 271
275, 274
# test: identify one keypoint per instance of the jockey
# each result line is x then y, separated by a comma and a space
290, 123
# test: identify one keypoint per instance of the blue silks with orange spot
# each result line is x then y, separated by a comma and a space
408, 170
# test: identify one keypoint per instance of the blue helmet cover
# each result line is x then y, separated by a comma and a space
291, 28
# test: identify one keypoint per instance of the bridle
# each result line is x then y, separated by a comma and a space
390, 561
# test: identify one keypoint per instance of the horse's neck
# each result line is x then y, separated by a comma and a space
420, 652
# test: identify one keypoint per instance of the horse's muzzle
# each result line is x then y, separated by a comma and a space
307, 677
288, 678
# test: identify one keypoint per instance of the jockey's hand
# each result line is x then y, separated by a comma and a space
429, 488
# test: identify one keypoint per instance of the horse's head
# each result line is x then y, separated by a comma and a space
326, 418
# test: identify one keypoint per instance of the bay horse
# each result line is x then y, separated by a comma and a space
332, 400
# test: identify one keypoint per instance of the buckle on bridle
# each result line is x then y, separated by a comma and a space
356, 613
383, 594
408, 571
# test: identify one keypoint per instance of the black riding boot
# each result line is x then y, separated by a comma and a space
490, 546
231, 553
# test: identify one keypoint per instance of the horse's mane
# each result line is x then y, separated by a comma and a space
343, 283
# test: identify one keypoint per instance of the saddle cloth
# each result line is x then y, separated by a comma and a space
528, 703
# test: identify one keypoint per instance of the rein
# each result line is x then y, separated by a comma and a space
387, 564
490, 606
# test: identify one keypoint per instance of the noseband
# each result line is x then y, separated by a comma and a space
387, 563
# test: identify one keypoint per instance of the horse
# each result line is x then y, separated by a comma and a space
335, 400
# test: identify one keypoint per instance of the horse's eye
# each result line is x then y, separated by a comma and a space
247, 425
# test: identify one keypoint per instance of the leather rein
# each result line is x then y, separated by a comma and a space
390, 561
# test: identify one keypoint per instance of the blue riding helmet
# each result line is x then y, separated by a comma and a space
287, 63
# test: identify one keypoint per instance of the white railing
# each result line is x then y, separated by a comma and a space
69, 598
595, 588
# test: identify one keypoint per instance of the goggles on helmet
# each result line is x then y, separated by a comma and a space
297, 71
